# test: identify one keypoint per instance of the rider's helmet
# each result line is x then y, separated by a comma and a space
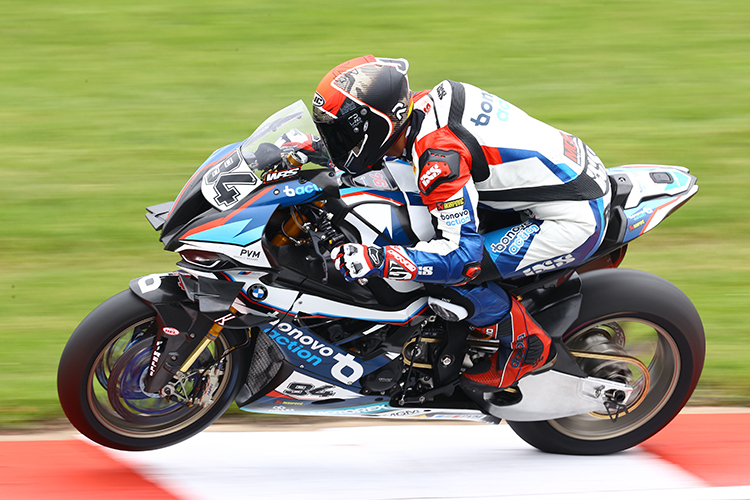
360, 108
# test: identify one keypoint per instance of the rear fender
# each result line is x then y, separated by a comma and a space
555, 309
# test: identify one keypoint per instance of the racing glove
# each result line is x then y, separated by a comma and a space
357, 261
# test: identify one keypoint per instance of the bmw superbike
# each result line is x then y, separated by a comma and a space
257, 314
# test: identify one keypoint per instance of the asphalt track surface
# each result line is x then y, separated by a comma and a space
698, 456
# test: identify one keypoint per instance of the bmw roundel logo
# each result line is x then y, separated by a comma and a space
258, 292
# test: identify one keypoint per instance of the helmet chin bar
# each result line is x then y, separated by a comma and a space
354, 153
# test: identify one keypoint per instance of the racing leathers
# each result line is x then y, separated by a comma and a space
472, 149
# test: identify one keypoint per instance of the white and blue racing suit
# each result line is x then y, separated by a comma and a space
472, 149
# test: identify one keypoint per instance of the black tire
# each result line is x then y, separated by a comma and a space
613, 297
122, 328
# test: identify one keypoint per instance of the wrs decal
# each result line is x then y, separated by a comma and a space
278, 175
172, 332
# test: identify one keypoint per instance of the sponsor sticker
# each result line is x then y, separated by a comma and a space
311, 350
432, 170
278, 175
300, 190
447, 205
258, 292
172, 332
515, 239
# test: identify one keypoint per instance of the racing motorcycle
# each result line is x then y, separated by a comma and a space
256, 313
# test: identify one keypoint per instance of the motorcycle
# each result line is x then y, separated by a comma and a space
256, 313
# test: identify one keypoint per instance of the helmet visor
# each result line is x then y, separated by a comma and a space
342, 142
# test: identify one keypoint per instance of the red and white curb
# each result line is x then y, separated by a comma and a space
698, 456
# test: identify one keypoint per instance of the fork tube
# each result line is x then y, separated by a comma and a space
213, 334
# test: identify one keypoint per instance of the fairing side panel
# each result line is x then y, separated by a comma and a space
658, 190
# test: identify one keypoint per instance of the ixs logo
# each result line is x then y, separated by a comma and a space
549, 265
425, 270
432, 171
278, 175
301, 190
312, 351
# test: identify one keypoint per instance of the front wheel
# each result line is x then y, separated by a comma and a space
100, 380
627, 313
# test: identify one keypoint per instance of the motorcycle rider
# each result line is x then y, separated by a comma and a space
470, 149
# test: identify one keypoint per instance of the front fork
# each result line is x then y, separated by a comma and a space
191, 313
211, 335
209, 377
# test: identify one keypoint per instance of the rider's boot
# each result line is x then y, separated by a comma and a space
524, 348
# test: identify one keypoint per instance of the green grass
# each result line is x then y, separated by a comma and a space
107, 107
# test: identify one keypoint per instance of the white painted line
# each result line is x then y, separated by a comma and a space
430, 461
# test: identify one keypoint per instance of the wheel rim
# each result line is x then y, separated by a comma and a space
655, 348
115, 391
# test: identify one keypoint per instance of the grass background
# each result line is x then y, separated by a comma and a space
107, 107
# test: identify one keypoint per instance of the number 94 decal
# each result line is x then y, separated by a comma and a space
229, 181
300, 386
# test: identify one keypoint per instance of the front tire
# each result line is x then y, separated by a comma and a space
100, 380
640, 315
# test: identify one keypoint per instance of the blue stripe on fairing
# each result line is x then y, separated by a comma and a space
244, 227
561, 170
234, 233
396, 196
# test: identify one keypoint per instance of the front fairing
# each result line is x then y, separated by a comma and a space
231, 196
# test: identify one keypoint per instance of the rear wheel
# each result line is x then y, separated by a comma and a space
102, 372
636, 314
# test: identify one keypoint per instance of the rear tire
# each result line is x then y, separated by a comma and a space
99, 380
636, 306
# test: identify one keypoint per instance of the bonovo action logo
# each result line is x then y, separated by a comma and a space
312, 351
